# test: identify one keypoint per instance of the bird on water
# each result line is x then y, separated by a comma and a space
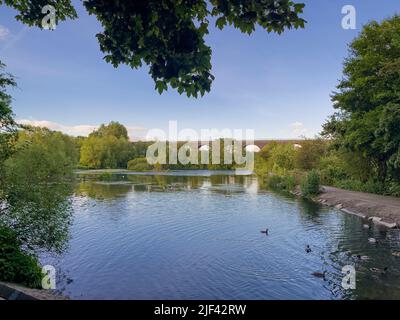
318, 274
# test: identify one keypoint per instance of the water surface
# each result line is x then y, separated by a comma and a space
197, 236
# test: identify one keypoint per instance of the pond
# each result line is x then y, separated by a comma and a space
196, 235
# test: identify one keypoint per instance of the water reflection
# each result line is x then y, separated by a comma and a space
41, 215
198, 237
103, 190
118, 185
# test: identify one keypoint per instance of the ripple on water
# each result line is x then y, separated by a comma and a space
200, 238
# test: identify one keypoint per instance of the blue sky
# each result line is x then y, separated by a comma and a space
277, 85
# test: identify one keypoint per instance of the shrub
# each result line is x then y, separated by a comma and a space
276, 158
332, 168
309, 155
289, 183
139, 164
356, 185
16, 265
284, 183
393, 189
310, 184
273, 182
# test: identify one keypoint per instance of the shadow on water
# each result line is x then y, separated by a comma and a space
309, 210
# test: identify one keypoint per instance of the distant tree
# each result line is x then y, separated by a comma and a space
139, 164
166, 35
43, 154
112, 129
140, 148
368, 99
107, 147
309, 155
277, 158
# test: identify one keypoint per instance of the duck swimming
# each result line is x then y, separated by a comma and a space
308, 248
265, 231
377, 270
318, 274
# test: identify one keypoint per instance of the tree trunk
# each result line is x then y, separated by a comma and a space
382, 171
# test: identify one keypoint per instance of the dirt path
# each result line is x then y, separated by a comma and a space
363, 204
12, 291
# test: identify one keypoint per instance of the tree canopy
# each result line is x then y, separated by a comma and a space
36, 188
112, 129
106, 147
8, 126
368, 99
168, 35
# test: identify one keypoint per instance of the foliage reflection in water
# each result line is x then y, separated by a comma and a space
198, 237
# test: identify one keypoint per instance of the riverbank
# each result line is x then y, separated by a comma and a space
12, 291
382, 210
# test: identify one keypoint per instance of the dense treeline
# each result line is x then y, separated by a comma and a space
367, 121
109, 148
361, 145
36, 166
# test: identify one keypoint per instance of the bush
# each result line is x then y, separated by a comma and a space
309, 155
356, 185
16, 265
276, 158
332, 168
393, 189
284, 183
310, 184
139, 164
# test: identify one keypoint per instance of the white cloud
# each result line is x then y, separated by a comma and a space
298, 129
11, 39
134, 132
4, 32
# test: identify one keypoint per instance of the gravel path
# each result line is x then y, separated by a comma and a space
364, 204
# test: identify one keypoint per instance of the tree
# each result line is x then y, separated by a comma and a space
30, 11
140, 148
309, 155
8, 126
36, 187
167, 35
107, 147
277, 158
139, 164
112, 129
34, 206
368, 99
